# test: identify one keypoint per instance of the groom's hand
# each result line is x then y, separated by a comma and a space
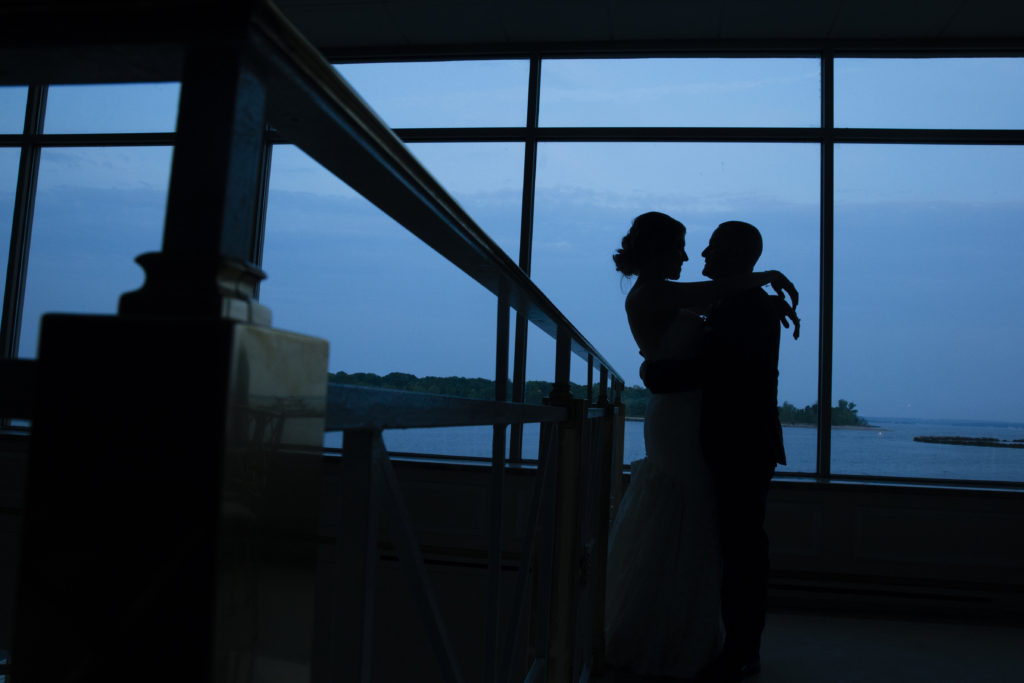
786, 313
783, 286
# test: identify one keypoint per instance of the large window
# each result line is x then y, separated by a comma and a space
712, 92
9, 159
914, 229
100, 198
116, 108
449, 94
588, 194
12, 109
96, 210
929, 93
927, 298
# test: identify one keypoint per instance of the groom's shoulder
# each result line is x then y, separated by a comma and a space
755, 298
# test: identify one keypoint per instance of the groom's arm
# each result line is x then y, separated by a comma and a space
672, 374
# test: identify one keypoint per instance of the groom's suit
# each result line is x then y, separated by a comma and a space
742, 441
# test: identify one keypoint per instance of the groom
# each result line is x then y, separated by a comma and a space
740, 434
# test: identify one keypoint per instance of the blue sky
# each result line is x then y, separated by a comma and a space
928, 238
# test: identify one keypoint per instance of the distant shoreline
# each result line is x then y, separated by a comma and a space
990, 441
864, 428
805, 425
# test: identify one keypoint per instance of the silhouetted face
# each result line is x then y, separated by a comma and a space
678, 257
715, 257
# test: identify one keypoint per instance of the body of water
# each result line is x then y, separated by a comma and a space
888, 449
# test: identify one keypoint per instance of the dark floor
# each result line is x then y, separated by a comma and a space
812, 648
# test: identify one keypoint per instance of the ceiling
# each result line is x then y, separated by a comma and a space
351, 26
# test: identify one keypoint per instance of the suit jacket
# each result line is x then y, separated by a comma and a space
739, 413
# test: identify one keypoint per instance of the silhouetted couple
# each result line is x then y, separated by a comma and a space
688, 554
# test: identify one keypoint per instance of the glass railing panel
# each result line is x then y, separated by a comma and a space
340, 269
486, 179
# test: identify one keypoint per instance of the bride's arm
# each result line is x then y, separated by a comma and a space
698, 296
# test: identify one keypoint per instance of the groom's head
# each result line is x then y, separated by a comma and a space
734, 248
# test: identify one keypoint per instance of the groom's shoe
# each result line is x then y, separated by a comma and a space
730, 670
751, 667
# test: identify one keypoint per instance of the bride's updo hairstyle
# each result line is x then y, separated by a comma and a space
649, 244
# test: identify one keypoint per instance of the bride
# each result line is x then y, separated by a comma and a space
663, 612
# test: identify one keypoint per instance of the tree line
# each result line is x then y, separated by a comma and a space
634, 398
843, 415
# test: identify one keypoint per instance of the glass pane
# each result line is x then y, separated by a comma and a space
680, 92
486, 179
443, 94
9, 159
540, 376
340, 269
589, 193
929, 93
115, 108
927, 299
12, 108
96, 210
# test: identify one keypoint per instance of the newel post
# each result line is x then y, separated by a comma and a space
172, 506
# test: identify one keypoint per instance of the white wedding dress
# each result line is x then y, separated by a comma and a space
663, 611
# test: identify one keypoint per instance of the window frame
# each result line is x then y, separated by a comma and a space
32, 139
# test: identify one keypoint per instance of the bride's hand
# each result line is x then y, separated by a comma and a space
786, 313
781, 284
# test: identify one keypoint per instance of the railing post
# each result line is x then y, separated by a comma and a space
618, 442
492, 620
565, 565
599, 562
345, 641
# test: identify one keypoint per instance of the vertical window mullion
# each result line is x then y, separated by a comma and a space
21, 227
525, 247
824, 465
260, 224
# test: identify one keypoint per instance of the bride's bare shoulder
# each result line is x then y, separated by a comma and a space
642, 295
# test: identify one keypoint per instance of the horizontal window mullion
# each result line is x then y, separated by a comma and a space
929, 136
609, 134
585, 134
89, 139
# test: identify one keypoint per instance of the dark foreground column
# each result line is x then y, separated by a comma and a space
170, 521
171, 514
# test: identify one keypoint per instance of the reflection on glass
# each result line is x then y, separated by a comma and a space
96, 210
927, 298
113, 108
486, 179
12, 108
589, 193
680, 92
9, 159
540, 375
929, 93
340, 269
443, 94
